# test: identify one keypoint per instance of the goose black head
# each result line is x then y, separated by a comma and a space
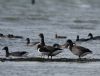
69, 41
5, 48
90, 35
28, 40
41, 35
1, 35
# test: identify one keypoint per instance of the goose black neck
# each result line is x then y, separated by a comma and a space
42, 41
91, 37
7, 52
77, 38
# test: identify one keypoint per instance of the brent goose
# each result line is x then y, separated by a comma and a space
1, 35
17, 53
82, 39
77, 50
13, 36
92, 37
48, 50
29, 43
60, 37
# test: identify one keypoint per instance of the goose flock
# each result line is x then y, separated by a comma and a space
55, 49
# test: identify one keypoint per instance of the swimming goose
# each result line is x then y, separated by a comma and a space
60, 37
17, 53
77, 50
1, 35
13, 36
82, 39
92, 37
48, 50
28, 41
31, 43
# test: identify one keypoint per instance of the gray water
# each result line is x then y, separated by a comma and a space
64, 17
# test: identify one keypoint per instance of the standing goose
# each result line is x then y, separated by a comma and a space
18, 53
92, 37
82, 39
77, 50
48, 50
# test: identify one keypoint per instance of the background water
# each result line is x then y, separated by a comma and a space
64, 17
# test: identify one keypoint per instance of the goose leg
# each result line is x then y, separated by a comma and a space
51, 57
79, 57
48, 56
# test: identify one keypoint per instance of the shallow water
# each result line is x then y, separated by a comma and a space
65, 17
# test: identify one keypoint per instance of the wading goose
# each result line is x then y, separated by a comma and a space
92, 37
82, 39
77, 50
60, 37
48, 50
17, 53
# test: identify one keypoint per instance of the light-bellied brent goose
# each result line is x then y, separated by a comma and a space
93, 37
82, 39
77, 50
29, 43
17, 53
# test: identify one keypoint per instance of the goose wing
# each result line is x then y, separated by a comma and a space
83, 49
97, 37
18, 53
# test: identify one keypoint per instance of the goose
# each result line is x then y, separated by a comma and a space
48, 50
13, 36
92, 37
29, 43
10, 36
1, 35
77, 50
17, 53
60, 37
82, 39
